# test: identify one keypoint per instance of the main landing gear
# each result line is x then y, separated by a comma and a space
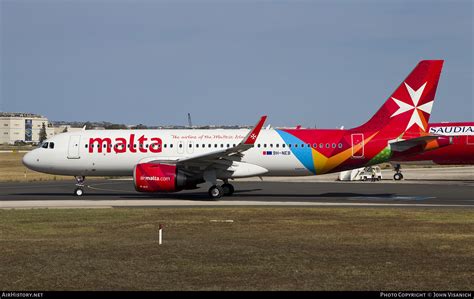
80, 185
398, 174
216, 191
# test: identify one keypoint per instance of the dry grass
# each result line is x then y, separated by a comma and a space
12, 169
263, 249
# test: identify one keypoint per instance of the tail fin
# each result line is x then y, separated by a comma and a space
408, 109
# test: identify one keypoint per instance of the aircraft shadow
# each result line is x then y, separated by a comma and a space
269, 197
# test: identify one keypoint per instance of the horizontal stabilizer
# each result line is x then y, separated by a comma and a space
420, 144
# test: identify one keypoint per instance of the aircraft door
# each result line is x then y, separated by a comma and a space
357, 145
73, 147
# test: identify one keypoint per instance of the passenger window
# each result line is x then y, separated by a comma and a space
197, 144
321, 145
258, 145
277, 145
327, 145
283, 145
271, 144
340, 145
315, 145
87, 145
45, 145
222, 145
333, 145
228, 145
51, 145
164, 145
171, 145
180, 145
215, 145
296, 145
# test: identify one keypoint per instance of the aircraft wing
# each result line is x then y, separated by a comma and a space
220, 159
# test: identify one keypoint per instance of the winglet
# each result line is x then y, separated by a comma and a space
252, 135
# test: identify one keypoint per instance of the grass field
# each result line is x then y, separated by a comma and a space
262, 249
12, 169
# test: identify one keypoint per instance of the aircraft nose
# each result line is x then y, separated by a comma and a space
29, 159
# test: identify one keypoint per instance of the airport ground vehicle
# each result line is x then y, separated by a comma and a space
369, 173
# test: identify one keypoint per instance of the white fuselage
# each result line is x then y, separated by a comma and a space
78, 153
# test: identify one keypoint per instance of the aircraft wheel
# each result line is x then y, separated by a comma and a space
228, 189
78, 192
216, 192
398, 176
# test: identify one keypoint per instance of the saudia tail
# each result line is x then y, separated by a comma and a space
407, 111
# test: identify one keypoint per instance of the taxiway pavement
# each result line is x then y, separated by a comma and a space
121, 193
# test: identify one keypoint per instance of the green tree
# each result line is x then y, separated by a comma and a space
140, 126
42, 134
115, 126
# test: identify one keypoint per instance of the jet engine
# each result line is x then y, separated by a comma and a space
156, 177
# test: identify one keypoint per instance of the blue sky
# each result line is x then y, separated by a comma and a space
323, 63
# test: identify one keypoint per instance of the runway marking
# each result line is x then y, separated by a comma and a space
188, 203
396, 197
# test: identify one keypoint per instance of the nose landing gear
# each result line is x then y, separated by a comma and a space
80, 185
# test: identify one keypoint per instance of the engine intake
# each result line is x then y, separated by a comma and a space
157, 177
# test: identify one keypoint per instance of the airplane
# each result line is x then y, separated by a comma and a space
174, 160
459, 152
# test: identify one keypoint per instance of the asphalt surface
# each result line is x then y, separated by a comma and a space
121, 193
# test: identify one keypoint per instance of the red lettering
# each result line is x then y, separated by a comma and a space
155, 147
132, 143
121, 145
141, 144
100, 144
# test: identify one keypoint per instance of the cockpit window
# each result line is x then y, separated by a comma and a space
51, 145
45, 145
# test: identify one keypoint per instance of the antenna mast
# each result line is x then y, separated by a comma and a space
190, 123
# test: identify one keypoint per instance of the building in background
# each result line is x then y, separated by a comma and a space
22, 127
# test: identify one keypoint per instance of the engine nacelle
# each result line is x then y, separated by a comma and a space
156, 177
